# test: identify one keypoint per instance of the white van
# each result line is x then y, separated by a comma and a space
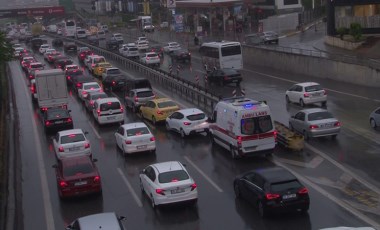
81, 34
108, 110
101, 34
244, 127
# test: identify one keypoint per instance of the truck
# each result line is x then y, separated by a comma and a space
51, 89
143, 22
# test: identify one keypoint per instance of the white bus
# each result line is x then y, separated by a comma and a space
222, 55
69, 28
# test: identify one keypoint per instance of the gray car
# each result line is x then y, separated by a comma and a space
91, 97
108, 220
374, 118
137, 97
315, 123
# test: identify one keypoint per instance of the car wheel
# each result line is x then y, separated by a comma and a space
141, 187
287, 99
154, 120
233, 153
183, 134
167, 126
302, 103
333, 137
153, 203
373, 124
237, 191
324, 103
262, 211
305, 135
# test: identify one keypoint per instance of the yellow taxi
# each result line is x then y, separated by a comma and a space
100, 67
157, 110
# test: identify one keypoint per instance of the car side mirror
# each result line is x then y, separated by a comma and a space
69, 111
292, 116
54, 166
184, 165
122, 218
142, 171
85, 133
94, 160
69, 227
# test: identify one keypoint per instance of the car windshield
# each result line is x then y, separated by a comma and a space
54, 114
113, 71
173, 176
285, 186
196, 117
72, 138
256, 125
77, 169
319, 116
137, 131
313, 88
91, 86
109, 105
166, 104
145, 94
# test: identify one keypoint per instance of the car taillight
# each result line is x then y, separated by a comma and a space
91, 102
60, 149
82, 55
113, 83
44, 109
128, 142
98, 111
152, 139
186, 123
68, 77
160, 191
313, 127
303, 191
69, 120
47, 123
32, 89
136, 99
62, 184
337, 124
79, 85
271, 196
122, 109
84, 92
96, 179
159, 112
87, 145
306, 95
239, 140
92, 65
193, 186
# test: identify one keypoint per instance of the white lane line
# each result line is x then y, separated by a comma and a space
130, 187
204, 174
49, 218
342, 204
341, 167
94, 129
331, 90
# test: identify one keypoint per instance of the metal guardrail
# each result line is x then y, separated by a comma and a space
191, 92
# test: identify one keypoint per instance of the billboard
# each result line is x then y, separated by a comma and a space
41, 11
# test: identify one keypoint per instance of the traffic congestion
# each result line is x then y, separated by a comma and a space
87, 105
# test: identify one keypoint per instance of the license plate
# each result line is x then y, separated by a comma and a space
80, 183
288, 196
74, 149
141, 147
58, 122
110, 118
200, 130
177, 191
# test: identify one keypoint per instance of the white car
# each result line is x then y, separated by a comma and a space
72, 142
168, 182
88, 87
140, 39
131, 52
135, 137
71, 67
126, 45
43, 48
59, 32
374, 118
187, 122
150, 58
17, 51
108, 110
171, 46
118, 37
47, 52
306, 93
142, 45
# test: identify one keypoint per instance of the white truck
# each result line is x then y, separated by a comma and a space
51, 89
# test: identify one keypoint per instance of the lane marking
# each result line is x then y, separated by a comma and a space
204, 174
342, 204
95, 131
134, 195
315, 162
49, 218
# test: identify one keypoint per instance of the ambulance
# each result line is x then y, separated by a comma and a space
244, 127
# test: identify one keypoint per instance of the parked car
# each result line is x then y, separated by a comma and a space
224, 76
315, 122
108, 220
57, 119
272, 189
158, 110
168, 182
108, 110
72, 142
137, 97
188, 122
306, 93
374, 118
181, 55
77, 176
135, 137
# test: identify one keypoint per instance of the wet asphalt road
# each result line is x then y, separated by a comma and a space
344, 170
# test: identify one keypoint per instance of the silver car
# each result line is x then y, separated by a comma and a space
374, 118
315, 123
108, 220
137, 97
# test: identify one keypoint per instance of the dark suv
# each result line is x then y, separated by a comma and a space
181, 55
272, 190
57, 119
137, 83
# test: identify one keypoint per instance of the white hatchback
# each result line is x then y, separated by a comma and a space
71, 143
135, 137
108, 110
87, 88
168, 182
187, 122
150, 58
171, 46
43, 48
306, 93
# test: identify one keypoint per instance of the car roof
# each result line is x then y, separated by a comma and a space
190, 111
275, 174
108, 99
142, 90
70, 131
167, 166
108, 221
305, 84
91, 83
313, 110
134, 125
74, 160
163, 99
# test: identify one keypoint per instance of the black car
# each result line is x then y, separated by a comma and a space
93, 40
112, 44
57, 119
114, 82
137, 83
61, 63
69, 46
71, 74
36, 43
224, 76
54, 57
181, 55
157, 49
57, 42
272, 190
78, 80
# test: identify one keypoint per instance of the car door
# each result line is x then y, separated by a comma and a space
172, 121
255, 188
291, 93
147, 176
377, 116
55, 142
148, 110
119, 134
298, 93
298, 122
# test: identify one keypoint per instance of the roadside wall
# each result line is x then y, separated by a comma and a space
313, 66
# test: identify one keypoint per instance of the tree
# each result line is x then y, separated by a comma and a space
6, 49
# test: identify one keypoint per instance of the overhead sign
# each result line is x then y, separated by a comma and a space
170, 3
41, 11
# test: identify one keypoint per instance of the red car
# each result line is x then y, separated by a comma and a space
77, 176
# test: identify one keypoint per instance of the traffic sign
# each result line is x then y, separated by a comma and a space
171, 3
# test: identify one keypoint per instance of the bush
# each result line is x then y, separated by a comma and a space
356, 31
342, 31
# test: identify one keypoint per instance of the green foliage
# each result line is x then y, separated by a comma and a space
6, 49
356, 31
36, 29
342, 31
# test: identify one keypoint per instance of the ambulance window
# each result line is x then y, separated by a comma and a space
247, 126
256, 125
265, 124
